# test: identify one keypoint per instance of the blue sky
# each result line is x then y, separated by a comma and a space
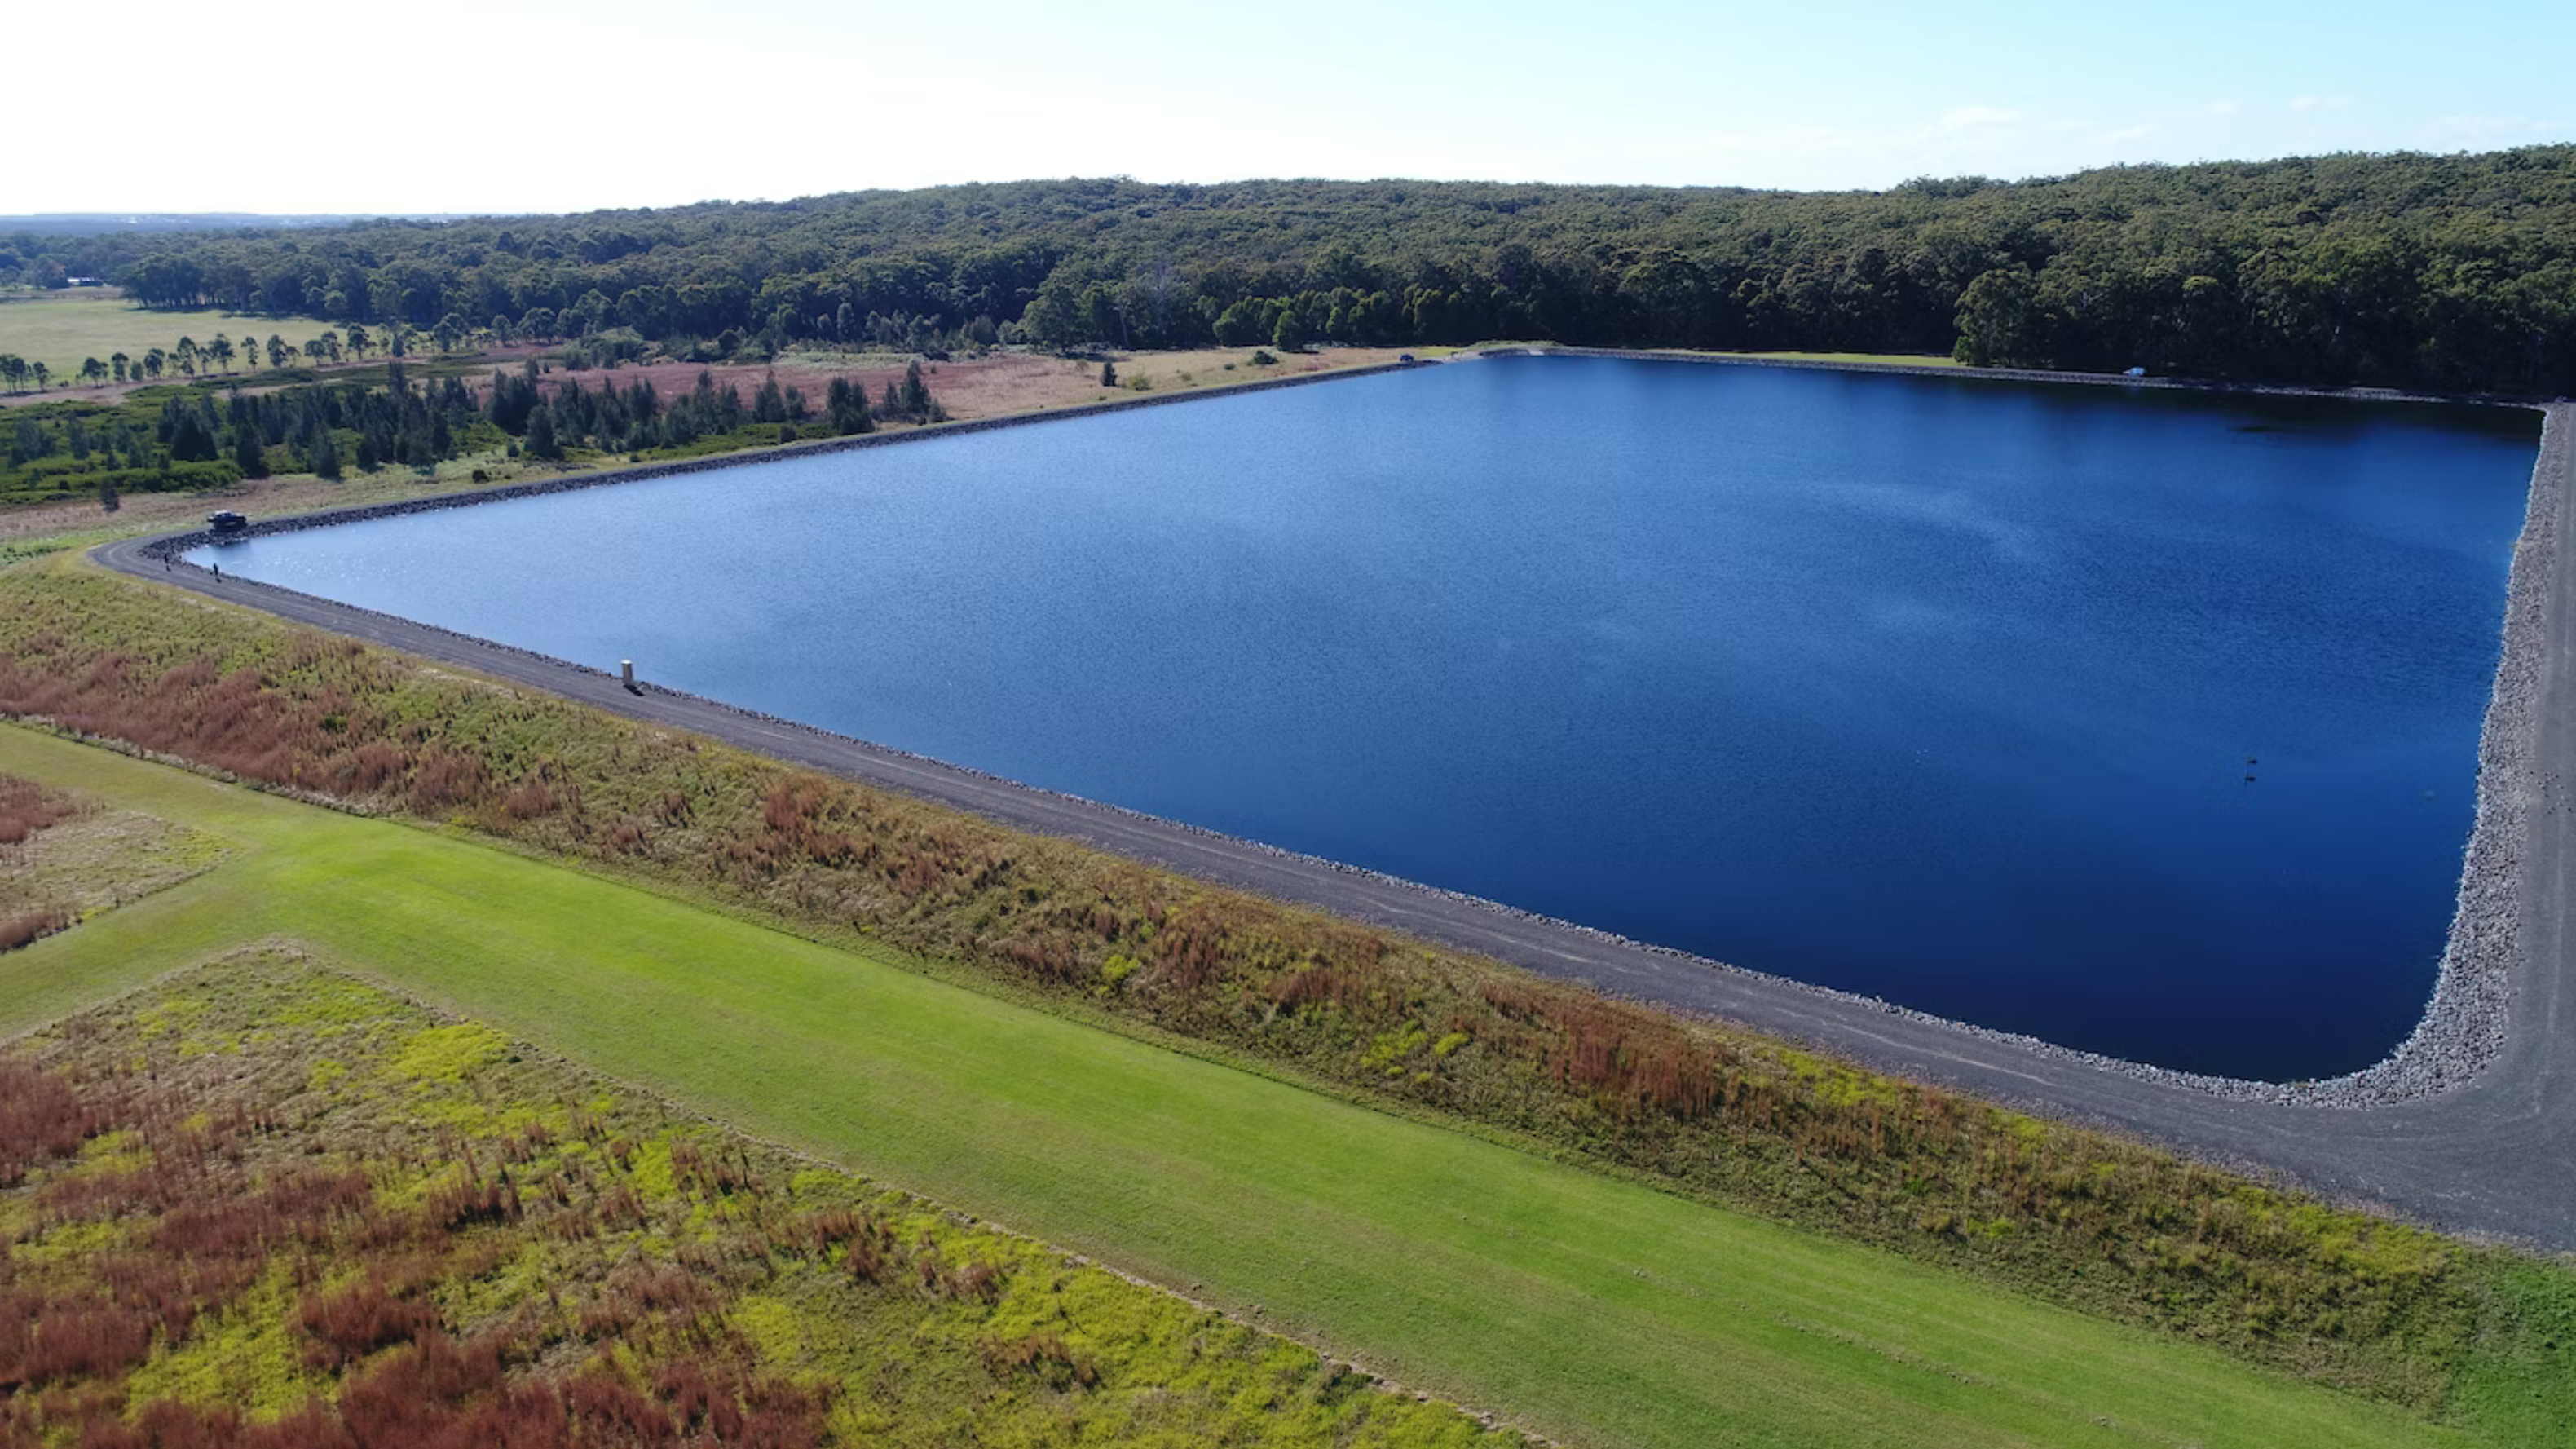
552, 105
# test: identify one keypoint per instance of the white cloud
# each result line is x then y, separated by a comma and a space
2307, 104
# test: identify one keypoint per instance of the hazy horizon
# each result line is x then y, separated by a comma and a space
345, 215
574, 105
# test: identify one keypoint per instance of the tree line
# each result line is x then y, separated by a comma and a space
2437, 271
200, 438
637, 418
209, 436
192, 359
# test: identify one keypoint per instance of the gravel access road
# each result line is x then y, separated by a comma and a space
2493, 1157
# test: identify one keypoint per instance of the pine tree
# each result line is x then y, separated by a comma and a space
248, 453
846, 408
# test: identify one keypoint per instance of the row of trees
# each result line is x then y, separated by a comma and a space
190, 358
208, 436
550, 417
399, 424
2453, 271
201, 437
613, 419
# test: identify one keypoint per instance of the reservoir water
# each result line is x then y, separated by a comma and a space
2141, 722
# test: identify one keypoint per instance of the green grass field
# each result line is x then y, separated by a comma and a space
60, 329
1572, 1303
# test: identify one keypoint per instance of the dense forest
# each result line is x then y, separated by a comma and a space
2454, 272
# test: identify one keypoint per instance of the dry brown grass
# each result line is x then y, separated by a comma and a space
63, 859
102, 860
994, 386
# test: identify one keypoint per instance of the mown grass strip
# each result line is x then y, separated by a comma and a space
1577, 1304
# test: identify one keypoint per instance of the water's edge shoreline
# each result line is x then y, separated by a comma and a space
2467, 1014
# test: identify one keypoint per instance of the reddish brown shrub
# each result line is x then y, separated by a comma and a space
448, 778
466, 1204
167, 1424
358, 1320
370, 768
27, 807
85, 1340
1043, 1356
979, 1281
32, 926
529, 799
41, 1117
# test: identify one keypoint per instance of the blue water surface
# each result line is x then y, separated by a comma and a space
2142, 722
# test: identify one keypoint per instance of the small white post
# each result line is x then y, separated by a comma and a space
626, 667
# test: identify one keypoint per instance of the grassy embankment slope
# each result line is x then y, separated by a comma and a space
1577, 1304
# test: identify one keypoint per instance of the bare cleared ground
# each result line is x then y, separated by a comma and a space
1005, 382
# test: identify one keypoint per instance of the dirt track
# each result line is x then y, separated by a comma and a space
2496, 1156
